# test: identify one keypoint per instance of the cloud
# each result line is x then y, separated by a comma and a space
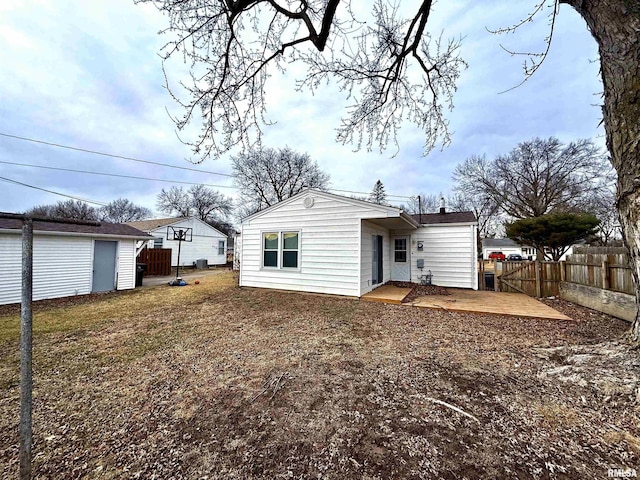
88, 74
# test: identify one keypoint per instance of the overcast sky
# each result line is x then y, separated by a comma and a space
88, 75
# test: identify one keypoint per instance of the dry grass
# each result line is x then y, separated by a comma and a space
216, 381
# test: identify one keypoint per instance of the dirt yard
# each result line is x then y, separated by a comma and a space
212, 381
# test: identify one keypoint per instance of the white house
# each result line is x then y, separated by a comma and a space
69, 259
206, 241
508, 246
321, 242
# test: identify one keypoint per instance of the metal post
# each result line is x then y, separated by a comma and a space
179, 245
26, 378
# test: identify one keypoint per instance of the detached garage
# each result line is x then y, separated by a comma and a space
69, 259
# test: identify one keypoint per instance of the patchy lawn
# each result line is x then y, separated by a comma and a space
213, 381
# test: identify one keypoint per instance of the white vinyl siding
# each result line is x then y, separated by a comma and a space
368, 231
204, 244
449, 252
329, 258
62, 266
126, 267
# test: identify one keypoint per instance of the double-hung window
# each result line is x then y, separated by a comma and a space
220, 247
281, 249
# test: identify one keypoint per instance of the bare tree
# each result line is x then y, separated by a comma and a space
174, 201
71, 209
378, 195
123, 210
486, 210
199, 201
535, 178
422, 203
233, 47
603, 205
267, 176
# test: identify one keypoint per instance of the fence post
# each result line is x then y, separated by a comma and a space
563, 271
605, 275
538, 279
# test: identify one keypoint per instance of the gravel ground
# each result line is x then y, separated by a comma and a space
250, 383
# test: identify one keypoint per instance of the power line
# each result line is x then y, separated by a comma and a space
8, 180
113, 174
367, 193
95, 152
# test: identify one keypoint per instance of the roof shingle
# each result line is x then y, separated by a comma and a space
104, 228
148, 225
449, 217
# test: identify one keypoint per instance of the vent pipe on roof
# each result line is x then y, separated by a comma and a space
442, 209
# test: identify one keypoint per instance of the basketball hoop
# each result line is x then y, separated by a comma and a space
181, 235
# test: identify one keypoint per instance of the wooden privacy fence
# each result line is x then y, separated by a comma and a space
606, 271
158, 260
542, 279
536, 279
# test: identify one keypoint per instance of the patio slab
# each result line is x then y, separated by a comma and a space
387, 294
498, 303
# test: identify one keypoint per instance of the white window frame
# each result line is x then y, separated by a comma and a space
262, 250
280, 251
221, 245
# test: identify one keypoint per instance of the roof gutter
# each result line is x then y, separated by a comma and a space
77, 234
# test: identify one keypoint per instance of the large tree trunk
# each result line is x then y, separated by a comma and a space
615, 24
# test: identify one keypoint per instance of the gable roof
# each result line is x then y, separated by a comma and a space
150, 225
102, 229
397, 212
448, 217
147, 225
499, 242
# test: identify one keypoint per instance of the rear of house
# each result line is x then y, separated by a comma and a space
320, 242
205, 241
69, 259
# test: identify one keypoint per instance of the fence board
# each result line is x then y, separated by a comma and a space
158, 260
591, 269
536, 279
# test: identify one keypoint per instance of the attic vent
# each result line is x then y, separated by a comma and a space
308, 202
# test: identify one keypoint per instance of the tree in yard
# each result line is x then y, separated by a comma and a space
123, 210
70, 209
422, 203
554, 233
199, 201
603, 205
486, 210
267, 176
537, 177
392, 68
378, 195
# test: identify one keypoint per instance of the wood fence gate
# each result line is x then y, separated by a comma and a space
536, 279
157, 260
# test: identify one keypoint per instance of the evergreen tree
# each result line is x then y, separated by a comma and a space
378, 194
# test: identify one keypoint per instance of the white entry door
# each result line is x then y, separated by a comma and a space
400, 261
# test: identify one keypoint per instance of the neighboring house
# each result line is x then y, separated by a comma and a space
508, 246
206, 241
69, 259
321, 242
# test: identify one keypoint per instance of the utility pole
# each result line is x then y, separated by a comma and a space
26, 345
26, 334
